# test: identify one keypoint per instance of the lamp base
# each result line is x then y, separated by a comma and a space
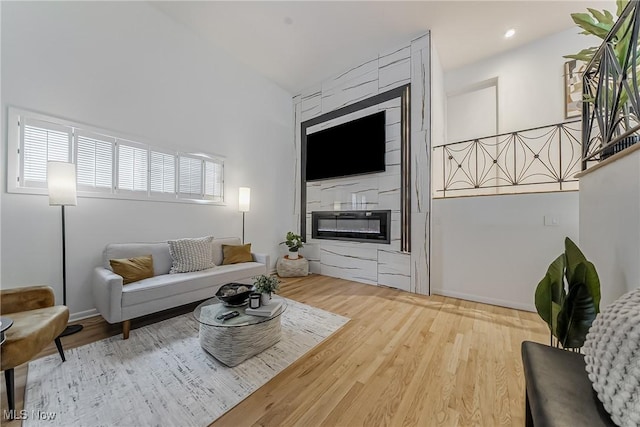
71, 329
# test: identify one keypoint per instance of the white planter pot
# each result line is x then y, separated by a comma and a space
265, 298
293, 255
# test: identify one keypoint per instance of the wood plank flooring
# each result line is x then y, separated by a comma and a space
402, 360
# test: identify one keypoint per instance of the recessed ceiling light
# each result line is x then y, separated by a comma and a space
510, 33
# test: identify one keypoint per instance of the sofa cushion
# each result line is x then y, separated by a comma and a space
172, 284
217, 247
159, 252
191, 254
235, 254
133, 269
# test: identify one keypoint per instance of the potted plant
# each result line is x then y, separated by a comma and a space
294, 242
266, 285
568, 297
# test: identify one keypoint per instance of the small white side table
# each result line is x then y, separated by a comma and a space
292, 267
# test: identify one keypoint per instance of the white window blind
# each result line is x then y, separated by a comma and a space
190, 177
94, 161
213, 180
43, 142
133, 167
163, 172
108, 165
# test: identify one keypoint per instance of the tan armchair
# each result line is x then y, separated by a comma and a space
36, 322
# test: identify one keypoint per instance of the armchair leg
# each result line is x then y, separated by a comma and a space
60, 350
8, 377
126, 327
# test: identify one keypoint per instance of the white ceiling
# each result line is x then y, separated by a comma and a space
300, 43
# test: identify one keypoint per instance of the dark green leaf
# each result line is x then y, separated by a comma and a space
574, 257
575, 317
543, 299
593, 284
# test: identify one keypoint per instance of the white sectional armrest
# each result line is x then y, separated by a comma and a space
107, 294
262, 259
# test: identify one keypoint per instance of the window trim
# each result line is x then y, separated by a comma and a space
14, 161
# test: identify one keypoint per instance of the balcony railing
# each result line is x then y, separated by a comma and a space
610, 90
541, 159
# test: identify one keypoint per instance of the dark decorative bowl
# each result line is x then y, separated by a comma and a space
234, 293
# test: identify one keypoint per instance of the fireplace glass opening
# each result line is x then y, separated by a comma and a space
359, 226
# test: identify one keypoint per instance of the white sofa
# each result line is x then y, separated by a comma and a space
118, 303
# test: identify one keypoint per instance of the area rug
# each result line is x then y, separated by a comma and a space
161, 376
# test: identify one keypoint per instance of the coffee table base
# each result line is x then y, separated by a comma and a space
234, 345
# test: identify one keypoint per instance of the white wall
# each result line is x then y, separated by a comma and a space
495, 249
129, 68
610, 224
530, 80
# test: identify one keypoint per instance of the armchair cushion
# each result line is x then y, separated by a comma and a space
26, 298
32, 331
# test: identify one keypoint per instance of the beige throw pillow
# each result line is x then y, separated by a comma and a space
133, 269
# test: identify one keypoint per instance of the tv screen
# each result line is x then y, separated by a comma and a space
352, 148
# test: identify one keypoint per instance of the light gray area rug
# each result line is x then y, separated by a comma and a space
161, 376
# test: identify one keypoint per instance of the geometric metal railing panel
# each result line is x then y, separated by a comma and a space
611, 109
541, 159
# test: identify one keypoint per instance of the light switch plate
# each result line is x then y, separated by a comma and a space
551, 220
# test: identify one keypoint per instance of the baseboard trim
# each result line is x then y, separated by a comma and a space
484, 300
83, 315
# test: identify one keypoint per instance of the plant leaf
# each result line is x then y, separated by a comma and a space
621, 4
587, 23
574, 257
592, 281
575, 317
602, 17
543, 300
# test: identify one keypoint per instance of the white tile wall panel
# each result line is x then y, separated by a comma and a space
349, 75
357, 89
311, 103
351, 263
394, 69
394, 269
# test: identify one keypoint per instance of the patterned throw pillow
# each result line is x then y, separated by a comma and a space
612, 357
191, 254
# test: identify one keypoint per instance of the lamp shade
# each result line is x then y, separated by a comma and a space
244, 199
61, 181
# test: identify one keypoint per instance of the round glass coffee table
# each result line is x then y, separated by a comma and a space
237, 339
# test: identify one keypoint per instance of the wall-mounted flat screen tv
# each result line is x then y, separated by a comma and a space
353, 148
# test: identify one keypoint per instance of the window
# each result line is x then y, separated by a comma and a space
190, 177
163, 173
133, 166
42, 142
107, 164
94, 161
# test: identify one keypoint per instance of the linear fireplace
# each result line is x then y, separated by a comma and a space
356, 226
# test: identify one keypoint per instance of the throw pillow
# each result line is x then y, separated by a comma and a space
133, 269
234, 254
612, 358
191, 254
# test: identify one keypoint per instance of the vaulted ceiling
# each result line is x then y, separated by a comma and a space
298, 44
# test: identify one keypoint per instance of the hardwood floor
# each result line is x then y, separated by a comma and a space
402, 360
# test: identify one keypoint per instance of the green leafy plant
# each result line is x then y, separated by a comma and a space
568, 297
266, 284
294, 241
599, 24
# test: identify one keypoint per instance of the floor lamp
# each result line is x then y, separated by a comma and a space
244, 200
61, 181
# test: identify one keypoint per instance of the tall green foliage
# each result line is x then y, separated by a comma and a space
568, 296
